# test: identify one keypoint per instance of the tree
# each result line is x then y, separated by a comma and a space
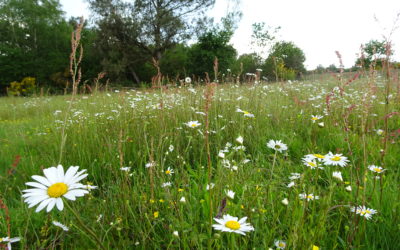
250, 62
33, 36
286, 61
373, 51
213, 44
135, 32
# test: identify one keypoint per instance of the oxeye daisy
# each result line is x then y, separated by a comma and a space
337, 175
230, 194
312, 164
193, 124
48, 191
169, 171
364, 211
280, 244
232, 224
308, 197
311, 157
376, 169
335, 160
9, 241
277, 145
315, 118
62, 226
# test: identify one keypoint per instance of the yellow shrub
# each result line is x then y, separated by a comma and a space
25, 87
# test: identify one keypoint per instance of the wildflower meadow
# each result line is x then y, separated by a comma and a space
289, 165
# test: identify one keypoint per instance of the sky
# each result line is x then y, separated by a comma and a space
318, 27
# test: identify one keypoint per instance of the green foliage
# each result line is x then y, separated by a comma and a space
374, 52
133, 33
23, 88
213, 44
33, 36
251, 62
174, 62
286, 61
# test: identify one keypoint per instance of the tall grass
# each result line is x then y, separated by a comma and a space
107, 131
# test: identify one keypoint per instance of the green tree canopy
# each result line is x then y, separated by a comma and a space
34, 40
211, 45
286, 61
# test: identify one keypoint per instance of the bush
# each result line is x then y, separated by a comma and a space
23, 88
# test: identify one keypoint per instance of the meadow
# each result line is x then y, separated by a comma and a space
166, 166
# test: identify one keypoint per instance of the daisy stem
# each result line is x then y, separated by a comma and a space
273, 164
88, 230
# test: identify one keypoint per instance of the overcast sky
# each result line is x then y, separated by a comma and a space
318, 27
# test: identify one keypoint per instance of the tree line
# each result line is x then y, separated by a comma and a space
131, 41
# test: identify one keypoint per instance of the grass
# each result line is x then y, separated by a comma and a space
131, 209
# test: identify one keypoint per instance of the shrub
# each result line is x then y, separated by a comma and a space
23, 88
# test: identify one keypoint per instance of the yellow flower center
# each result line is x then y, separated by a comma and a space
56, 190
378, 170
365, 212
312, 164
168, 172
336, 158
314, 118
1, 239
193, 125
310, 197
277, 146
234, 225
319, 156
246, 113
281, 244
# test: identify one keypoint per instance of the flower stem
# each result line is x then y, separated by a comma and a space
94, 237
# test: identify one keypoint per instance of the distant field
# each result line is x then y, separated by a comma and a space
151, 166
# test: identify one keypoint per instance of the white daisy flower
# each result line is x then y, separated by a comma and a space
335, 159
240, 139
294, 176
9, 241
315, 118
312, 164
188, 80
245, 113
150, 164
308, 197
280, 244
364, 211
277, 145
166, 184
312, 157
337, 175
348, 188
49, 190
169, 171
183, 199
210, 186
376, 169
291, 184
285, 201
230, 194
127, 169
62, 226
193, 124
233, 225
